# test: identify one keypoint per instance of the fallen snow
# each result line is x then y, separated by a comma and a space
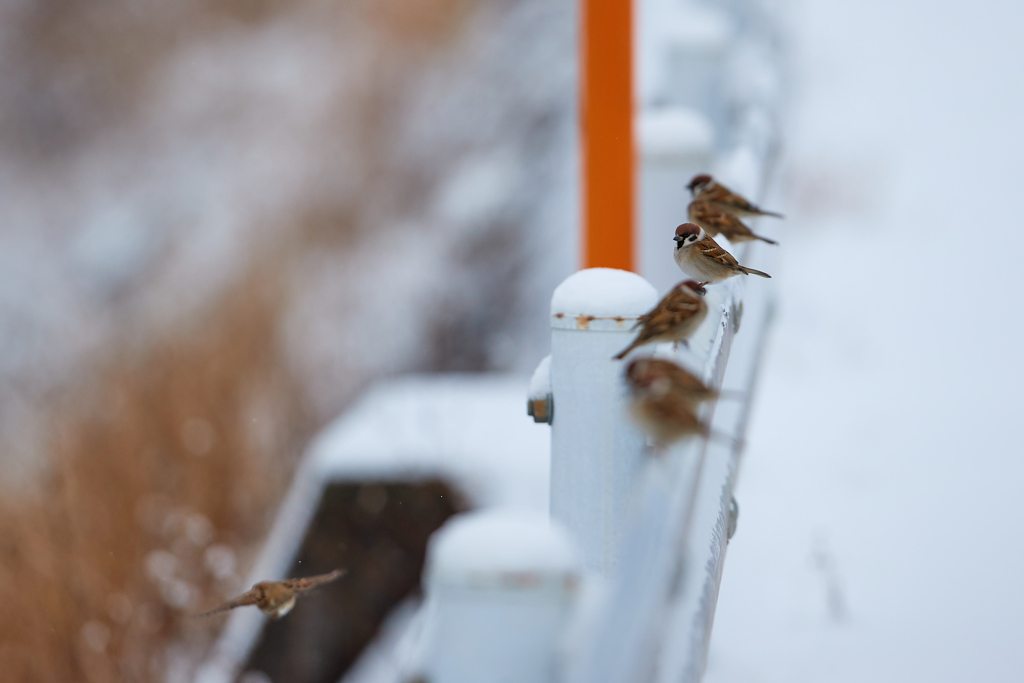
603, 292
880, 508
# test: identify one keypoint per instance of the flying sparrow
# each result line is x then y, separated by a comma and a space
705, 187
276, 598
701, 258
717, 221
674, 319
663, 400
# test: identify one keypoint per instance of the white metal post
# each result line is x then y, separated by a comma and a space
500, 591
596, 452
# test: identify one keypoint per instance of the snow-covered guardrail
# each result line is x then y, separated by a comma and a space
651, 530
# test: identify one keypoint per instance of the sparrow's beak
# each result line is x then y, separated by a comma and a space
678, 238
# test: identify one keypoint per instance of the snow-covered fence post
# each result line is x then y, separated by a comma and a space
596, 452
500, 588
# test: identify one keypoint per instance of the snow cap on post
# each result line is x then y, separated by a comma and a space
601, 299
505, 548
540, 382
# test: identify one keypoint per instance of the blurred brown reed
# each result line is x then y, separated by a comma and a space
164, 467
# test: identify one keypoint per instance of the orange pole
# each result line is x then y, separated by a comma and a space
606, 141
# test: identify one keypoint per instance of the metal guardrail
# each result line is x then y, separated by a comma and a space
651, 531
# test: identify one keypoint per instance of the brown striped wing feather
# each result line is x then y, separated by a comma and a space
716, 221
250, 598
688, 384
666, 318
723, 195
670, 417
709, 247
311, 582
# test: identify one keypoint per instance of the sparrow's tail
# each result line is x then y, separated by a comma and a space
751, 271
762, 212
222, 608
622, 354
660, 449
765, 239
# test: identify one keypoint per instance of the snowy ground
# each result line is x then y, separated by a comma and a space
879, 534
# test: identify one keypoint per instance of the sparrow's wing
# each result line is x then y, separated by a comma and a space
643, 320
723, 195
675, 309
681, 309
311, 582
674, 415
709, 248
250, 598
720, 221
689, 385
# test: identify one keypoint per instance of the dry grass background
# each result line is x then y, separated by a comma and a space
166, 465
169, 451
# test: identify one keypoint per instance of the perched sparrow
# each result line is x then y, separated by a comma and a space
704, 187
717, 221
663, 400
674, 319
701, 258
276, 598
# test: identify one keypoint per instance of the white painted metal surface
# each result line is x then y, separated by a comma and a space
596, 450
500, 589
690, 607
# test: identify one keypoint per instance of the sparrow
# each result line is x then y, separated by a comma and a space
276, 598
701, 258
717, 221
686, 384
706, 188
662, 403
674, 319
